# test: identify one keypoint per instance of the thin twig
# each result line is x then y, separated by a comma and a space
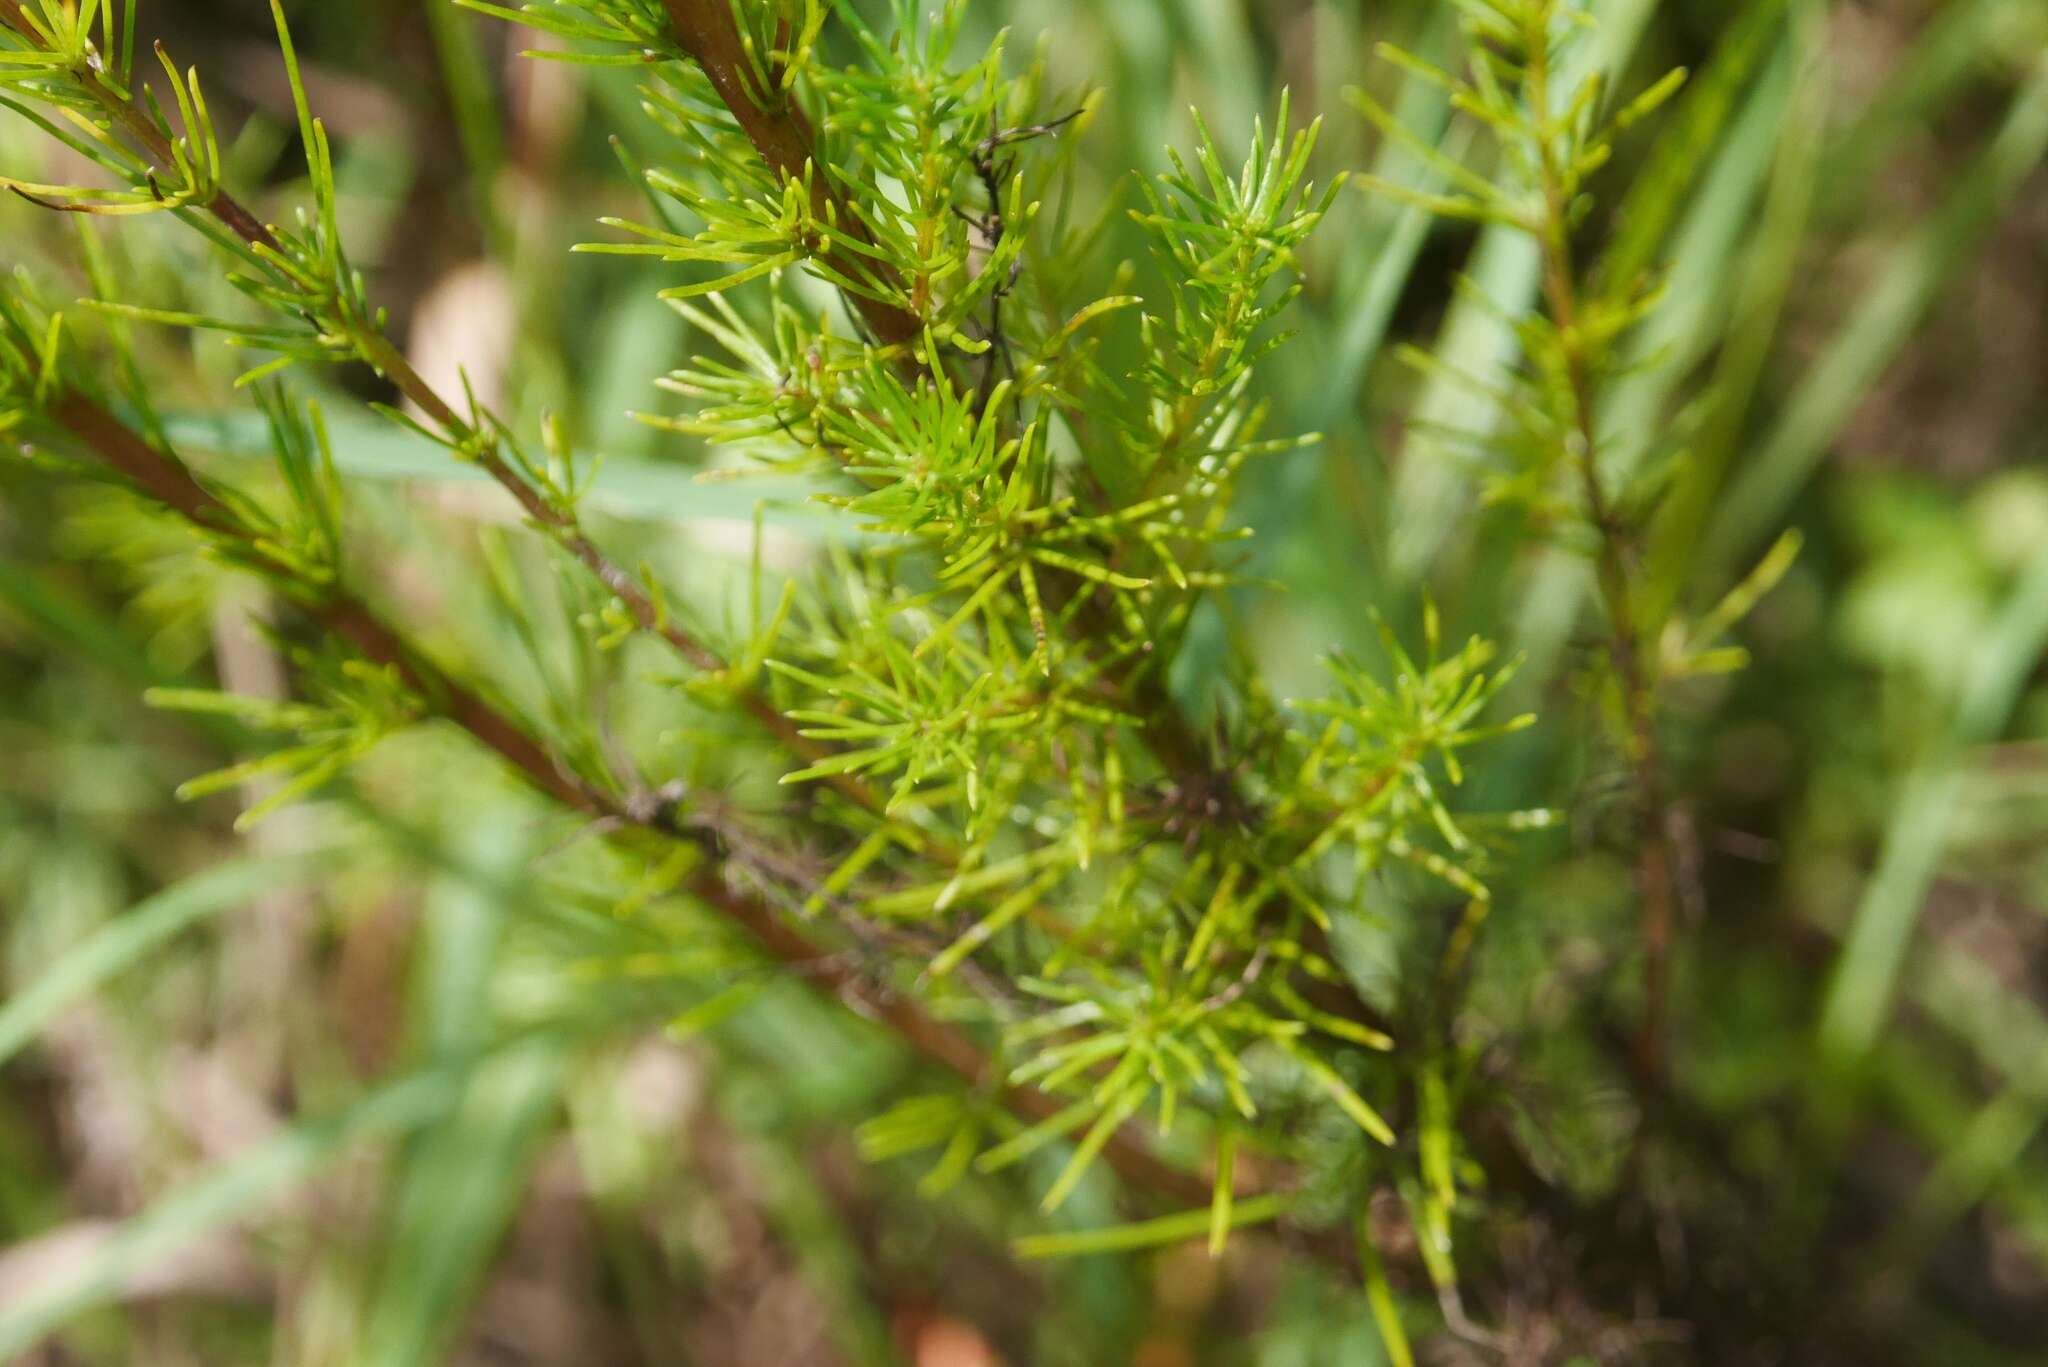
1653, 869
991, 227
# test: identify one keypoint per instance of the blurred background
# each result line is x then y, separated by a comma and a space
271, 1113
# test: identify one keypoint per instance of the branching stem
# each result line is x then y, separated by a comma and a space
167, 480
380, 354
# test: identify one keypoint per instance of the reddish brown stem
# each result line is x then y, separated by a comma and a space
1653, 865
388, 361
782, 135
167, 480
142, 129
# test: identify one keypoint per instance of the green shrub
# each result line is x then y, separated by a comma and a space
1007, 756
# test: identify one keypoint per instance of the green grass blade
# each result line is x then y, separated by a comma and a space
128, 939
462, 1178
1766, 275
1866, 975
1871, 337
228, 1193
2009, 1034
462, 1183
1722, 95
1947, 55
